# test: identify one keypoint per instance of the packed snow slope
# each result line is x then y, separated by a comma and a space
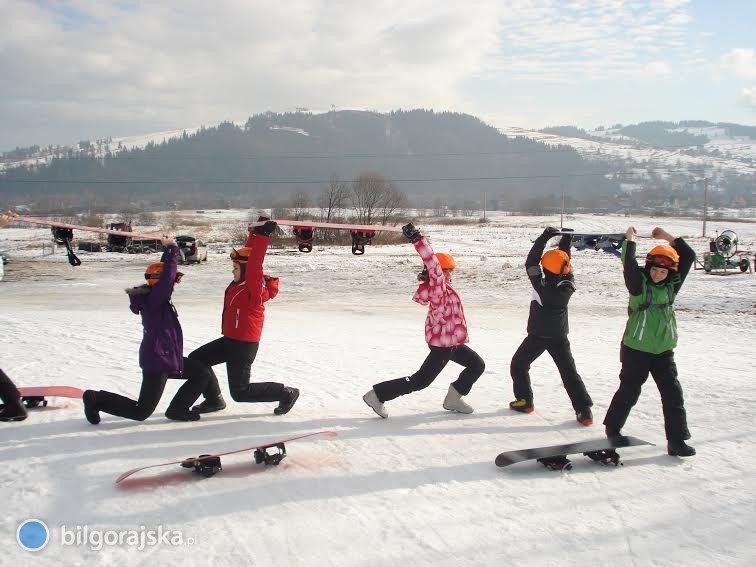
419, 488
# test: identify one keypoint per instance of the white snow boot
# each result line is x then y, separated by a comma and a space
371, 399
454, 402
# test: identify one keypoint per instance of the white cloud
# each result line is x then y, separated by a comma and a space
658, 68
741, 61
748, 97
89, 69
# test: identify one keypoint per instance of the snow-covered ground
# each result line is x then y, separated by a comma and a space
419, 488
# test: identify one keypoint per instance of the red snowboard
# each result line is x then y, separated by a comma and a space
34, 396
208, 465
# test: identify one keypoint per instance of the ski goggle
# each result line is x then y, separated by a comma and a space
661, 261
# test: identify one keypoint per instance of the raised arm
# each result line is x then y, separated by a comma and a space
161, 291
258, 240
632, 271
533, 260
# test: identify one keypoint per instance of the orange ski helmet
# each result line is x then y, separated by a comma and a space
663, 256
447, 261
556, 262
154, 271
241, 256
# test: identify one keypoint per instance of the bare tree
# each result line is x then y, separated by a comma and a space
367, 192
333, 198
392, 201
300, 203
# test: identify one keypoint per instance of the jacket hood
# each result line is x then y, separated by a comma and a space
137, 297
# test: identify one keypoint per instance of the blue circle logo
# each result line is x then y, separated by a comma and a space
33, 535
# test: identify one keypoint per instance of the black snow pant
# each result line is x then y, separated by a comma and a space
8, 391
636, 366
434, 363
238, 356
153, 384
559, 348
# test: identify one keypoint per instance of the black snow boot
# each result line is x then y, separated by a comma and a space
287, 402
611, 432
178, 414
211, 405
13, 411
680, 449
90, 407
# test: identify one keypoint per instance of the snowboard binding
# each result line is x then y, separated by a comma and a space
304, 236
359, 239
206, 467
606, 457
558, 463
34, 401
263, 456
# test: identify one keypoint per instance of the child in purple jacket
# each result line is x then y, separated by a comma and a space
160, 354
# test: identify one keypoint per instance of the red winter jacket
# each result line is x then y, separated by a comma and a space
243, 310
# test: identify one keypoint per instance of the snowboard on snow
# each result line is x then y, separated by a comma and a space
208, 465
555, 456
36, 396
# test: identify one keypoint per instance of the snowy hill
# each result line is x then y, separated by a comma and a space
419, 488
733, 154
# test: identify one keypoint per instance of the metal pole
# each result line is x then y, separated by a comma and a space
706, 204
484, 206
561, 216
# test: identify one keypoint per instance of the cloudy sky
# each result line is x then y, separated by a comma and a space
80, 69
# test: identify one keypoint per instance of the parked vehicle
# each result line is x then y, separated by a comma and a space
191, 249
128, 245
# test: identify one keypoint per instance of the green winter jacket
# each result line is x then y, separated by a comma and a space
651, 326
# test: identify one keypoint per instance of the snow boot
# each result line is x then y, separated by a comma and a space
90, 407
210, 405
454, 402
584, 416
13, 411
680, 449
521, 405
287, 402
611, 432
182, 414
371, 399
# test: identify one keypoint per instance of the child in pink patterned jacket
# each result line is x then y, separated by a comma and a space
445, 333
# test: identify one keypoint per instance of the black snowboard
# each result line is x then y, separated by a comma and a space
511, 457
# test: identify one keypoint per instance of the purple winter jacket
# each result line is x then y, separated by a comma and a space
162, 345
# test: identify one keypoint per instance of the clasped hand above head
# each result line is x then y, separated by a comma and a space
7, 218
411, 233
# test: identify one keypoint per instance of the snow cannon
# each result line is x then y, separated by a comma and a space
723, 254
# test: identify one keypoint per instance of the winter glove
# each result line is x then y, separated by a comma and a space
267, 229
550, 231
271, 284
411, 233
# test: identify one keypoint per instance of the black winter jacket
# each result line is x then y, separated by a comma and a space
551, 294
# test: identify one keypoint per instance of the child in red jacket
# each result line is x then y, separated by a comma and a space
242, 324
445, 333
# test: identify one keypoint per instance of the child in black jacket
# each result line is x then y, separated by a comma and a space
548, 326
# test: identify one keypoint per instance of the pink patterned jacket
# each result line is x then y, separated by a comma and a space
445, 325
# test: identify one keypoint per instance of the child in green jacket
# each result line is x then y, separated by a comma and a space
651, 335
